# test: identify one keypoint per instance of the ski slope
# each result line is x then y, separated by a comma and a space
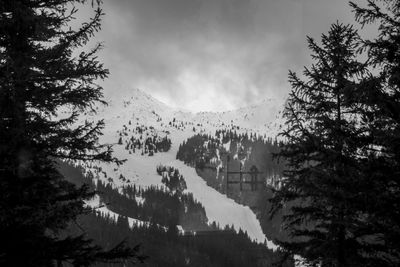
219, 207
141, 170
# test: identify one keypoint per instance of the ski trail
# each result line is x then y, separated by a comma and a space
220, 208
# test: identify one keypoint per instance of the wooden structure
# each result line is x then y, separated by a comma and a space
253, 176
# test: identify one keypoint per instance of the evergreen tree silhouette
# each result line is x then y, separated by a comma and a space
381, 159
322, 133
41, 75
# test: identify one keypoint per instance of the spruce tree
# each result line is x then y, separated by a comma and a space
43, 74
381, 162
322, 138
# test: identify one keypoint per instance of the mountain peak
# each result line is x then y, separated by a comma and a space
141, 106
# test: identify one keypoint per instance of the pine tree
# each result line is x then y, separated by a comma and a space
382, 157
41, 76
322, 139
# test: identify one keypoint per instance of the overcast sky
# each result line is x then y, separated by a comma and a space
211, 54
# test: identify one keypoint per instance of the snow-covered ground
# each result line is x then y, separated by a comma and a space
142, 109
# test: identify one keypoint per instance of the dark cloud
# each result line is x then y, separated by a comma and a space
211, 54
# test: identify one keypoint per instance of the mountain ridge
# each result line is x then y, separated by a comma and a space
264, 118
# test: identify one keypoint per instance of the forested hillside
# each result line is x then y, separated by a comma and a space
209, 155
216, 247
175, 232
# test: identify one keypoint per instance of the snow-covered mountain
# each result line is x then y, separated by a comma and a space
131, 121
263, 118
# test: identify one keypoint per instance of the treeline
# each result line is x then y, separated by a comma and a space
168, 248
155, 205
143, 139
211, 152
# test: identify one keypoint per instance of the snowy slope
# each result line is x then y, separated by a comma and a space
141, 110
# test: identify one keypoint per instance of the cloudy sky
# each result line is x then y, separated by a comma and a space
211, 54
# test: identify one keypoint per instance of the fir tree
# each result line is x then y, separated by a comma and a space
381, 159
41, 74
322, 139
